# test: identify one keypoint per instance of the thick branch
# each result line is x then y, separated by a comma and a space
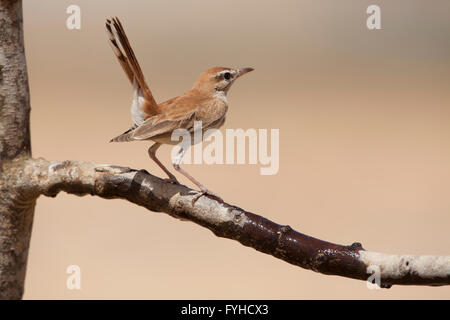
36, 177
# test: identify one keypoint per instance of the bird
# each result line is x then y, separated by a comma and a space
206, 101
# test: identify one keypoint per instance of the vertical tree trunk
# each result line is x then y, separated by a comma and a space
16, 214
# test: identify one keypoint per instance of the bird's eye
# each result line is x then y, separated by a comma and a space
227, 76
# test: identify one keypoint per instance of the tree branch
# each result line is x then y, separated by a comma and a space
34, 177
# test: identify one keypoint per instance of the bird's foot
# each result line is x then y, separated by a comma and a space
206, 192
171, 179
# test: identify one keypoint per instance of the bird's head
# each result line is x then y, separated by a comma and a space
219, 79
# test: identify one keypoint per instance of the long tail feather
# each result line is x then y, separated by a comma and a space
118, 52
127, 59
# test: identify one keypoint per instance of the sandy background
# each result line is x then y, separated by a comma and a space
364, 141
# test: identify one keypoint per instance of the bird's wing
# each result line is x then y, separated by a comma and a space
156, 126
164, 124
176, 113
127, 59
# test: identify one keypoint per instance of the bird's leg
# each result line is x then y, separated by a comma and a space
152, 154
203, 189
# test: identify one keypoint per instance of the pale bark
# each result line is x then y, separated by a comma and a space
15, 216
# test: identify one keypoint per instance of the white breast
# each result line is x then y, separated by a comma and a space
221, 95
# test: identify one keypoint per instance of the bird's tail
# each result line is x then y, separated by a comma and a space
127, 59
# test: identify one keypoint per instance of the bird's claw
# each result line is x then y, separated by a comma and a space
171, 180
206, 192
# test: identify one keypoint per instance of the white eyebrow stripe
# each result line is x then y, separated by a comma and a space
225, 71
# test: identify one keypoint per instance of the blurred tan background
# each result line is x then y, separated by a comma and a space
364, 141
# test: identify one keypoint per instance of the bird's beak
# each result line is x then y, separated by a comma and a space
242, 71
